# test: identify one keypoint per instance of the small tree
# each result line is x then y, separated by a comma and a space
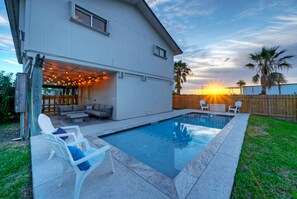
7, 89
181, 71
277, 79
241, 83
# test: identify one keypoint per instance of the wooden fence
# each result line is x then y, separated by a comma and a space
50, 103
279, 106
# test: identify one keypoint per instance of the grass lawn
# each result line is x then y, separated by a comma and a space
15, 164
268, 162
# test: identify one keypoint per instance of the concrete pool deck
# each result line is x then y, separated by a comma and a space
209, 175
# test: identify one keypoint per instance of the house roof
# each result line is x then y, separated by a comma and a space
12, 7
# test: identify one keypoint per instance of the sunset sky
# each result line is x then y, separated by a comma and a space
215, 36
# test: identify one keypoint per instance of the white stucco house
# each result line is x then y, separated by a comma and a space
115, 51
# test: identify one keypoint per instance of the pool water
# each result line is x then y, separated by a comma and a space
168, 146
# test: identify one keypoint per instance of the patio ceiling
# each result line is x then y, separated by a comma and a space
64, 74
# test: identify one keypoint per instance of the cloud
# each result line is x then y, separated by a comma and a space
6, 40
176, 14
3, 21
225, 60
259, 7
155, 3
251, 12
11, 61
189, 8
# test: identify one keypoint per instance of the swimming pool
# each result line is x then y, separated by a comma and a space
168, 146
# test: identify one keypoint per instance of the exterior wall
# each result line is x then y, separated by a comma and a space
286, 89
128, 48
140, 98
103, 92
130, 96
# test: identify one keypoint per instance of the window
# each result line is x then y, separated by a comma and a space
82, 17
99, 24
90, 20
160, 52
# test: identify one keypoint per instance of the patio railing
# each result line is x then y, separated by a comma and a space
279, 106
50, 103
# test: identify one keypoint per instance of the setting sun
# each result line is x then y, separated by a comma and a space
215, 88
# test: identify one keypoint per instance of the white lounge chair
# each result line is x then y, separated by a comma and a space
92, 156
203, 105
46, 126
236, 107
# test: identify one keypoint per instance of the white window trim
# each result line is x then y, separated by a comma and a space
155, 47
72, 18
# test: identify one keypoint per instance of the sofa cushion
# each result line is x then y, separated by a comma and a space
101, 106
89, 107
104, 114
93, 112
66, 108
104, 107
96, 107
78, 108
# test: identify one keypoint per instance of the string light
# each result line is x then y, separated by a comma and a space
71, 80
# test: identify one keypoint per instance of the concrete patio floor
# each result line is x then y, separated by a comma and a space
215, 181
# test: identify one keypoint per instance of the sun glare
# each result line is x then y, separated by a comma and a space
212, 88
215, 88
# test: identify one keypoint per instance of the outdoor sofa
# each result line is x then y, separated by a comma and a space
98, 110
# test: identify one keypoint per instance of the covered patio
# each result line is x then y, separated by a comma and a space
65, 84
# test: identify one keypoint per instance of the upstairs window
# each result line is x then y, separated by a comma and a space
99, 23
90, 20
83, 17
160, 52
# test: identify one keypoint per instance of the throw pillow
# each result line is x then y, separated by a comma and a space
89, 107
61, 131
78, 154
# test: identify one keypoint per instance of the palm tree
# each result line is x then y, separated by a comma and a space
276, 78
241, 83
181, 71
266, 62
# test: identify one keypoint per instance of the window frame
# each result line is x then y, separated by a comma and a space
75, 7
158, 50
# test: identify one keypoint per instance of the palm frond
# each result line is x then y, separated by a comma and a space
250, 66
256, 78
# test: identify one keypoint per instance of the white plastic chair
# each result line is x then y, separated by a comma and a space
203, 105
46, 126
93, 155
236, 107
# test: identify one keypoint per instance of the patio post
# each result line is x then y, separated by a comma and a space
36, 94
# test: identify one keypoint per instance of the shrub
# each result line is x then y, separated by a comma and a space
7, 91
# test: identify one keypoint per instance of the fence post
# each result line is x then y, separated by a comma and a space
295, 102
250, 104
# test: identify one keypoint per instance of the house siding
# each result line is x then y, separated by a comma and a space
129, 46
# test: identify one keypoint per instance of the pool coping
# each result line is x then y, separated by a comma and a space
184, 182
